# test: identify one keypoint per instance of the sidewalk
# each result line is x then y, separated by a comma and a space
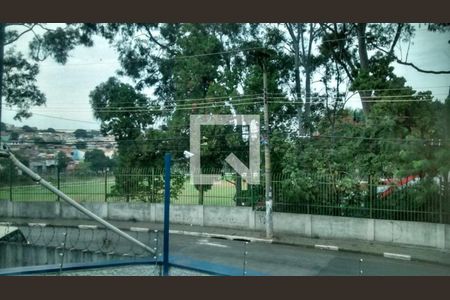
406, 252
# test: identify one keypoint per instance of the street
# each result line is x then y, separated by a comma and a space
261, 258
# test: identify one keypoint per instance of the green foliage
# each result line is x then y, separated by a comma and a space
145, 185
19, 86
97, 160
81, 133
81, 145
62, 160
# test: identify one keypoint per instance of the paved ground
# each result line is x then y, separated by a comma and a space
288, 254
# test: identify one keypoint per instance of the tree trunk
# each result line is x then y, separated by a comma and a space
298, 87
364, 64
308, 99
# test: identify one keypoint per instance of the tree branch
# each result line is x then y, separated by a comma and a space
150, 35
396, 38
30, 28
411, 64
419, 69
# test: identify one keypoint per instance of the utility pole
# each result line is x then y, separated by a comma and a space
2, 46
267, 164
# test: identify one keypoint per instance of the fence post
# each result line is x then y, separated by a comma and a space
106, 185
58, 180
10, 181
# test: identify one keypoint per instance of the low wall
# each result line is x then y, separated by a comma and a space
14, 255
316, 226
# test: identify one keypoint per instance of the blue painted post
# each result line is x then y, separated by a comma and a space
167, 160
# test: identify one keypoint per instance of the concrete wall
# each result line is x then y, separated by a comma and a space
412, 233
16, 255
230, 217
69, 212
341, 227
447, 236
129, 211
44, 210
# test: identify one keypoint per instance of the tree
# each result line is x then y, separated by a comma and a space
302, 39
359, 47
51, 130
27, 128
62, 160
97, 160
18, 75
81, 145
80, 133
14, 135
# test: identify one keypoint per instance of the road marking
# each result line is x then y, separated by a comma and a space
37, 224
208, 243
139, 229
225, 236
87, 226
327, 247
397, 256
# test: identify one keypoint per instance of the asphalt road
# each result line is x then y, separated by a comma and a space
265, 258
274, 259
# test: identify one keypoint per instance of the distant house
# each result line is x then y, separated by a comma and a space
43, 162
77, 155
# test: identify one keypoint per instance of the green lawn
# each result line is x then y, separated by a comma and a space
94, 190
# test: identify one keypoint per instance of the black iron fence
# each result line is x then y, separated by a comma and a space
415, 199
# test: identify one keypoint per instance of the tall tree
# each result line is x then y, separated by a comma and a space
302, 38
18, 74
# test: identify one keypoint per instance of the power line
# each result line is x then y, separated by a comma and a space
236, 50
279, 100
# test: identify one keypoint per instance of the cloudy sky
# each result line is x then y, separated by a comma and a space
67, 87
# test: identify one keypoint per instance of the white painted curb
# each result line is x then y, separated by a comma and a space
87, 226
37, 224
224, 236
397, 256
327, 247
139, 229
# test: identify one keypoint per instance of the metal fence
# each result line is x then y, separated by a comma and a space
425, 200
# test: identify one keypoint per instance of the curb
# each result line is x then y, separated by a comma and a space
388, 255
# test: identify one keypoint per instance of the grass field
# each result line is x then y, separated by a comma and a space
94, 190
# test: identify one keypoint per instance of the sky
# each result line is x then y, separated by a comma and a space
67, 87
